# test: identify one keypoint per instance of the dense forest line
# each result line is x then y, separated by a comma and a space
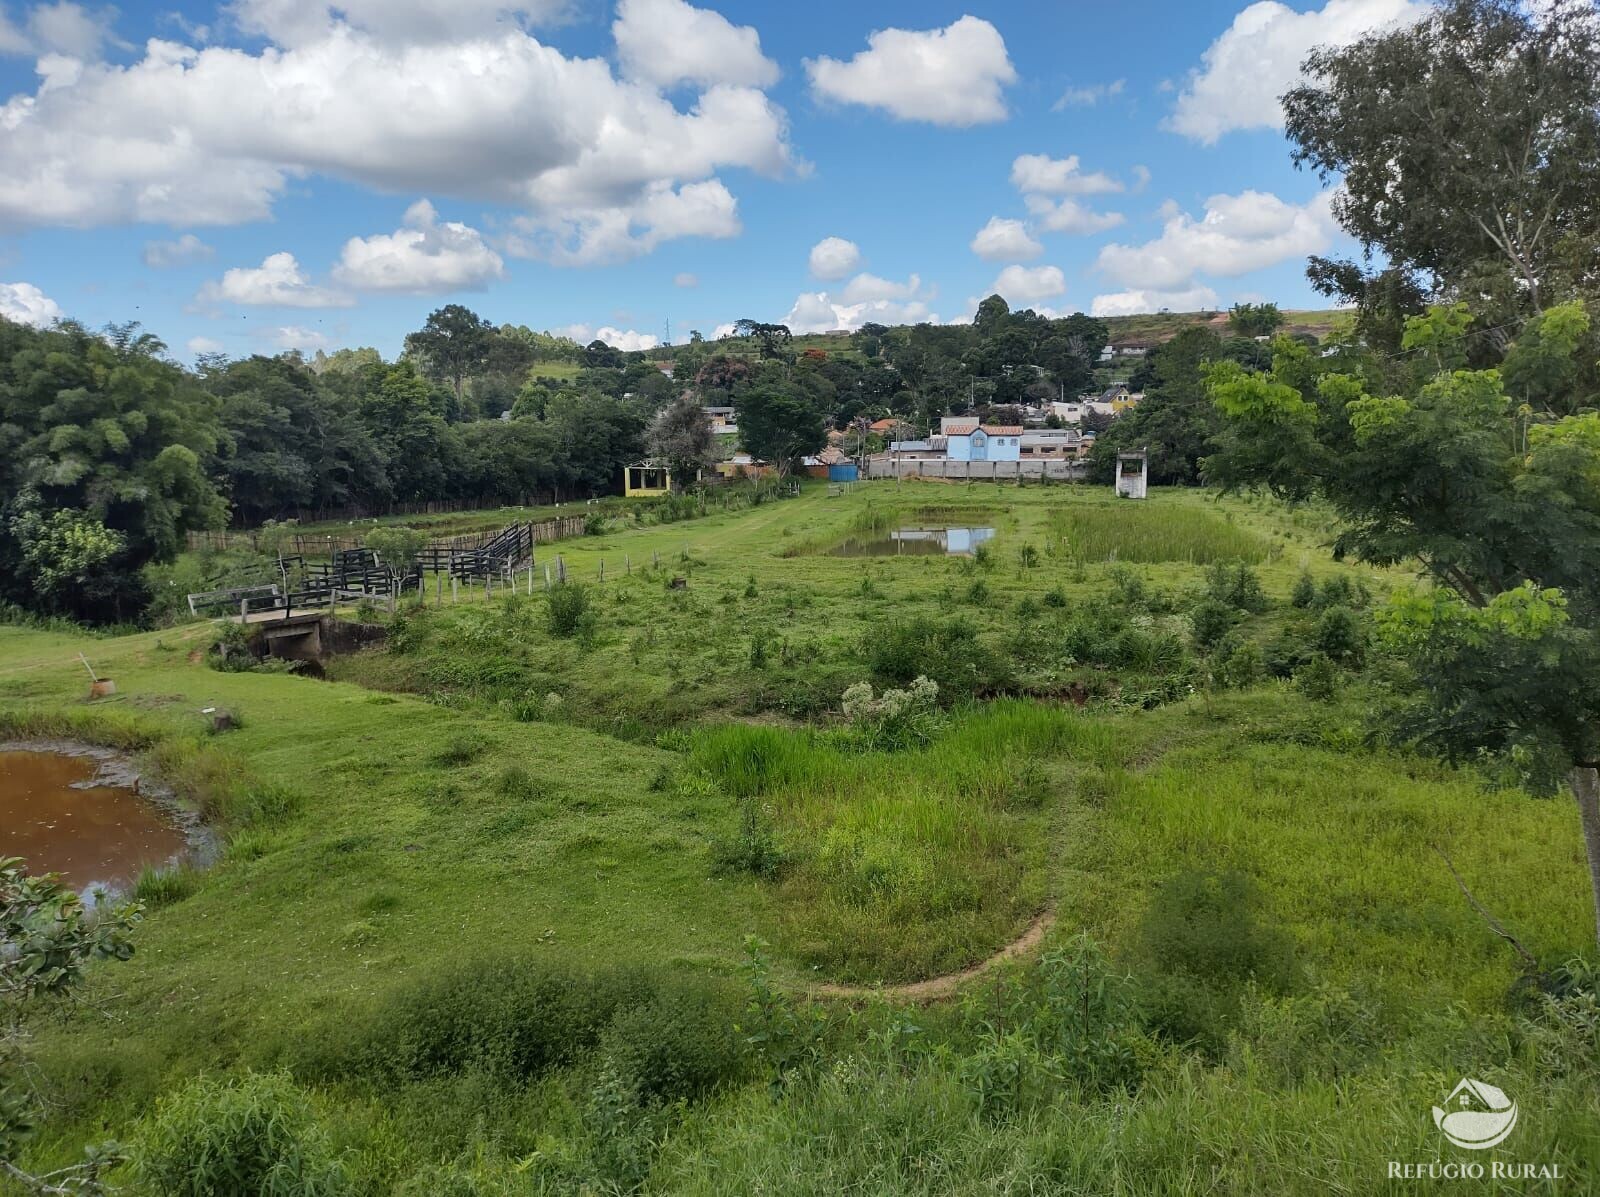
112, 451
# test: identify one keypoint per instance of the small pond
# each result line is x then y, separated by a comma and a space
78, 814
914, 542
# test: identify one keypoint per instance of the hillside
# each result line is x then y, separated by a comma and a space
481, 921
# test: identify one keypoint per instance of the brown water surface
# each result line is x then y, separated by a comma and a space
52, 818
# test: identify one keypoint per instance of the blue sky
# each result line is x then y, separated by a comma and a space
269, 174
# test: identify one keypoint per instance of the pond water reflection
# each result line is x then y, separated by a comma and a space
911, 542
54, 816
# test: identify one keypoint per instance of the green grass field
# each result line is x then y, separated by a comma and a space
429, 849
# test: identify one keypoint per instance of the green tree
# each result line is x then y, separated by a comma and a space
454, 345
1254, 319
778, 424
680, 436
104, 427
773, 339
1505, 647
1483, 121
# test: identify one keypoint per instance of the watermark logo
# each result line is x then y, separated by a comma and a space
1476, 1115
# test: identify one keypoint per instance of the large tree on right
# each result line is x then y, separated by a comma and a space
1499, 504
1467, 152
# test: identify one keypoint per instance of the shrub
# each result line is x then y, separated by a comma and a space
1055, 597
1210, 620
513, 1019
947, 652
754, 847
1027, 556
1339, 635
1285, 654
1202, 942
254, 1135
1305, 591
230, 649
1318, 679
1238, 663
1236, 584
896, 718
568, 613
675, 1046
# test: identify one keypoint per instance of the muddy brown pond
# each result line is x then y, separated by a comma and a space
56, 813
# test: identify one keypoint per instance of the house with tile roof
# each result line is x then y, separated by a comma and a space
968, 440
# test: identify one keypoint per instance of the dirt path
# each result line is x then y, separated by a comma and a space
935, 988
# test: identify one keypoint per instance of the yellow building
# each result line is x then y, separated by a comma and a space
646, 480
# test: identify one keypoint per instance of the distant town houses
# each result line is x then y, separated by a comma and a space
721, 419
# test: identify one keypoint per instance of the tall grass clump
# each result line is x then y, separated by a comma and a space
254, 1136
1142, 532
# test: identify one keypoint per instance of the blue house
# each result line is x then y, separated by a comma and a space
968, 440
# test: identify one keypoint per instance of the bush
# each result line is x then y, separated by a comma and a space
1202, 941
675, 1046
948, 653
1236, 584
1285, 654
568, 613
513, 1019
1318, 679
895, 719
1339, 635
255, 1135
1210, 620
1238, 663
1304, 593
754, 847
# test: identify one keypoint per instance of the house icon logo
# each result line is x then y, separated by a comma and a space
1476, 1115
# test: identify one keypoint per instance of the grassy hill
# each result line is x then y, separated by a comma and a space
1152, 328
486, 894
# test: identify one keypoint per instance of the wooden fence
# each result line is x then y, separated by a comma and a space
315, 545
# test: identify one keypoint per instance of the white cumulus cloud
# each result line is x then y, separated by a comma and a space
424, 257
591, 236
192, 137
23, 303
1027, 285
1045, 175
298, 337
203, 345
1257, 59
668, 42
816, 312
61, 27
277, 282
1135, 303
1002, 239
1068, 215
401, 22
953, 76
833, 258
627, 340
1236, 235
685, 279
182, 251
